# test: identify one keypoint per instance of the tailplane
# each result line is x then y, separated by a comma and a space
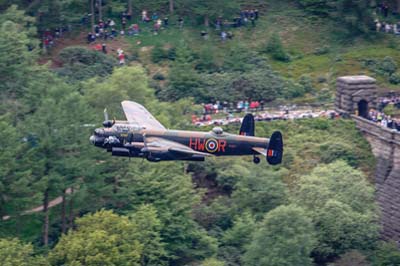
275, 148
247, 128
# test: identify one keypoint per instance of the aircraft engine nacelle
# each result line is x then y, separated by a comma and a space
121, 152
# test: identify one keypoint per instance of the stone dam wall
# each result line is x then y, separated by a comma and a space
385, 144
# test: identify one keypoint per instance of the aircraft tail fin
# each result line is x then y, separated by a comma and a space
247, 128
275, 148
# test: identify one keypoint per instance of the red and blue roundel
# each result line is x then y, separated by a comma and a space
211, 145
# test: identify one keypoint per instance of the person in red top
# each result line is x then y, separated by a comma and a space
121, 58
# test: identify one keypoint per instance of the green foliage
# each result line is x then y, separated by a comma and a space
13, 252
355, 15
341, 204
158, 53
387, 254
113, 238
126, 83
235, 239
352, 258
149, 227
79, 64
260, 191
332, 151
286, 228
16, 61
212, 262
395, 78
392, 110
210, 9
183, 79
172, 194
275, 48
258, 82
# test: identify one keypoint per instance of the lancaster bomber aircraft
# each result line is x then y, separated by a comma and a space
142, 136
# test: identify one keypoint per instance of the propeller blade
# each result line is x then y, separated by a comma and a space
105, 114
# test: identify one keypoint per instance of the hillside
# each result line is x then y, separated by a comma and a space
66, 202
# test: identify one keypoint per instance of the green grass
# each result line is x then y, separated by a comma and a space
302, 35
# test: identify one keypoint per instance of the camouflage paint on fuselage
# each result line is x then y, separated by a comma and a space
225, 143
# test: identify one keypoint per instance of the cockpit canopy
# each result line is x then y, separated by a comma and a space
217, 131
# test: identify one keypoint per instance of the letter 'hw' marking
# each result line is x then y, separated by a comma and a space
211, 145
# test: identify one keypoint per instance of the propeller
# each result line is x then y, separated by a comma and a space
105, 114
107, 122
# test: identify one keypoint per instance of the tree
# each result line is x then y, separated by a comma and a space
386, 254
356, 15
235, 240
285, 237
102, 238
183, 79
341, 203
259, 192
149, 227
17, 62
14, 252
54, 159
125, 83
209, 9
81, 64
171, 193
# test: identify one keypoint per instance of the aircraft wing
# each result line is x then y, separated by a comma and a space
138, 115
154, 144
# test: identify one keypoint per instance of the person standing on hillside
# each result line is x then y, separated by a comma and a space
121, 56
123, 22
180, 22
385, 9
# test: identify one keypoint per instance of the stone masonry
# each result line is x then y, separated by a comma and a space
350, 90
385, 144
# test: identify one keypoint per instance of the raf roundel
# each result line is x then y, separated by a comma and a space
212, 145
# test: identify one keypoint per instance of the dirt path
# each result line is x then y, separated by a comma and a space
40, 208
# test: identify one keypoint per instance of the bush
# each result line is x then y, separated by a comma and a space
322, 50
158, 54
276, 50
158, 76
388, 65
80, 64
332, 151
395, 78
306, 82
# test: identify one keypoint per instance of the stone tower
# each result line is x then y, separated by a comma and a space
355, 95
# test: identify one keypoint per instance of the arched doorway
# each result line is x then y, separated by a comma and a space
363, 108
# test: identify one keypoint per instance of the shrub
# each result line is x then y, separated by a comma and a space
158, 76
322, 50
306, 82
388, 65
395, 78
80, 63
276, 49
158, 54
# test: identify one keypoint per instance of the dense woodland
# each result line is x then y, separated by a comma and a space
317, 208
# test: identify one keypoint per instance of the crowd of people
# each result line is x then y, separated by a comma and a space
282, 113
232, 107
383, 11
50, 36
384, 120
378, 116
